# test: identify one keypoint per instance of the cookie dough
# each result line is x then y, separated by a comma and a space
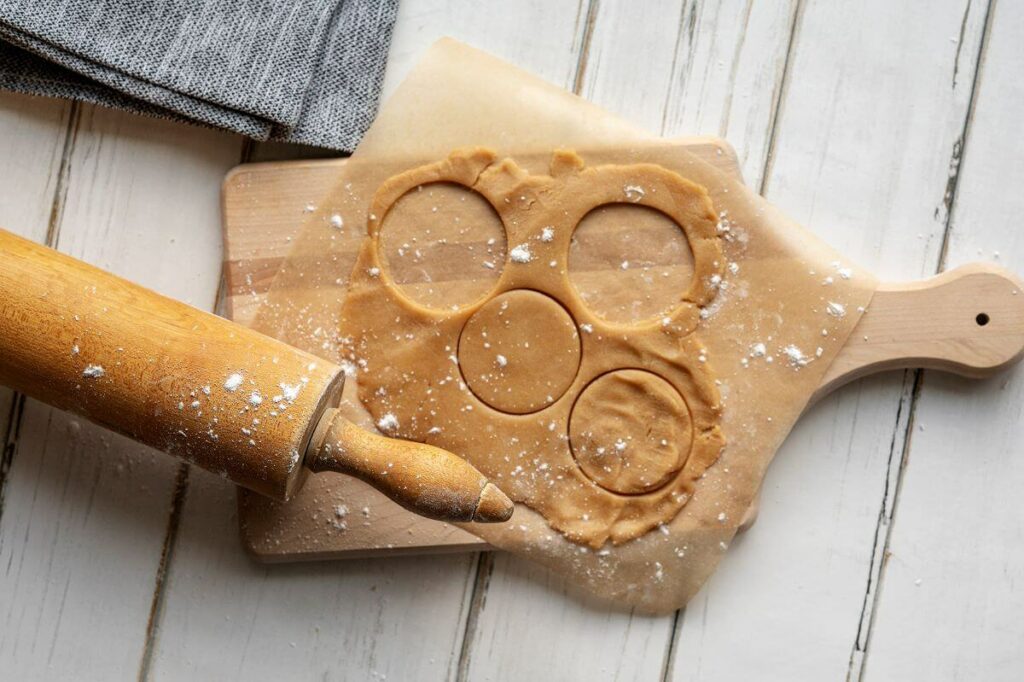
519, 352
526, 381
630, 431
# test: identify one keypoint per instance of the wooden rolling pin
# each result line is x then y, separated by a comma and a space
212, 392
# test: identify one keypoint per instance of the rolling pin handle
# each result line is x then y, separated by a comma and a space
422, 478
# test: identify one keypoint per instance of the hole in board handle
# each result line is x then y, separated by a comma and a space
982, 319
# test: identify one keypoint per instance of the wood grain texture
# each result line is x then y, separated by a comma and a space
519, 594
728, 67
32, 138
967, 321
86, 512
227, 617
157, 370
951, 590
869, 110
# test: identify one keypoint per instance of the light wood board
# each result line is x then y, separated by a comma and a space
264, 205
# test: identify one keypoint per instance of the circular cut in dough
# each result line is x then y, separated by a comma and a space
519, 352
443, 245
618, 285
630, 431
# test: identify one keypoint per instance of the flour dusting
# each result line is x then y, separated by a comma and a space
836, 309
289, 392
634, 192
521, 254
388, 423
795, 356
93, 371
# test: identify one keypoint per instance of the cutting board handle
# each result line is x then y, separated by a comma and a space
968, 321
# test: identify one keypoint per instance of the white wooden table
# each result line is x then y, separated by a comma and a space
891, 539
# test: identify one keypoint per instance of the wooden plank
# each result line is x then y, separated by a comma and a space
542, 37
727, 75
568, 634
633, 61
869, 113
228, 617
83, 545
700, 69
950, 602
419, 605
32, 136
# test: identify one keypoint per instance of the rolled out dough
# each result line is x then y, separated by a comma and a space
604, 428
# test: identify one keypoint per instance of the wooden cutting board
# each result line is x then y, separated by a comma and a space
969, 321
264, 209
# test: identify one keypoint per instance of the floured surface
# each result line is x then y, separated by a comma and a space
762, 334
497, 382
264, 206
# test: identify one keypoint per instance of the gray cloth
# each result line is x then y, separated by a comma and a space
305, 71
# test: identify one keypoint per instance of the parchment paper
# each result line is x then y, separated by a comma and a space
776, 298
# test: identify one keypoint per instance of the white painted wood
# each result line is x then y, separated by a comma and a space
952, 594
536, 626
867, 123
627, 71
32, 133
727, 76
540, 36
401, 618
85, 512
227, 617
694, 69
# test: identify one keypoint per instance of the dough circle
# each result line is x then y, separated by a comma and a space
630, 431
519, 352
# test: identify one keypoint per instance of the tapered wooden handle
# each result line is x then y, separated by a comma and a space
427, 480
969, 321
166, 374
